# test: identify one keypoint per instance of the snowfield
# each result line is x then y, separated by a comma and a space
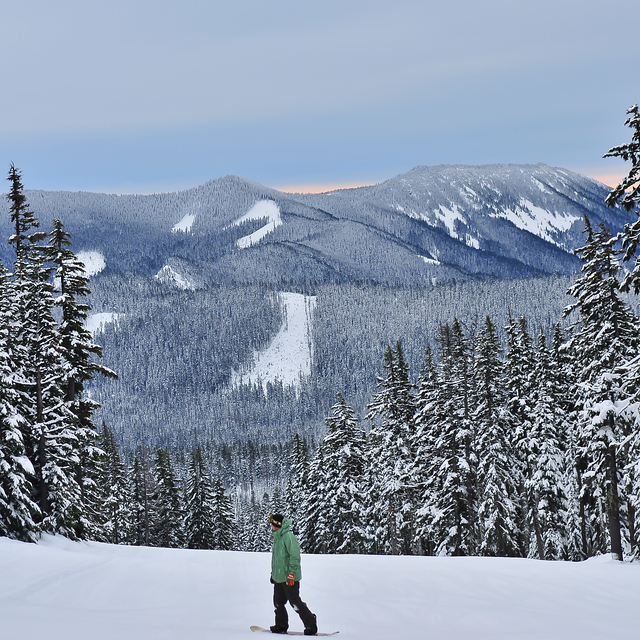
185, 224
264, 209
94, 262
96, 321
288, 357
168, 275
62, 590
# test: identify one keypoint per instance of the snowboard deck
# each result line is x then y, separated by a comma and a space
291, 633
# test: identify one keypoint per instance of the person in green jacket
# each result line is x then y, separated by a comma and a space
286, 576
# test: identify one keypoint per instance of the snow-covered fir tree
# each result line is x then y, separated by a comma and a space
223, 525
18, 513
499, 478
547, 459
604, 339
298, 478
391, 412
426, 421
627, 194
169, 529
144, 495
199, 505
520, 380
454, 466
117, 499
342, 497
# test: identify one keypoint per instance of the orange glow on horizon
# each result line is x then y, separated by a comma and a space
611, 179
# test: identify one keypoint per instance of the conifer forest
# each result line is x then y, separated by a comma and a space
502, 434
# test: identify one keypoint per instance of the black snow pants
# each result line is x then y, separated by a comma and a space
283, 593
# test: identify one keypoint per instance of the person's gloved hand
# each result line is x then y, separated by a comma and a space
291, 579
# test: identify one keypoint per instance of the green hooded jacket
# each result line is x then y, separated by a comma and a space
285, 558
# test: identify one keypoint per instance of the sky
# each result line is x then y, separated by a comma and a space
140, 96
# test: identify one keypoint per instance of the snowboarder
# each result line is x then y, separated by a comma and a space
286, 575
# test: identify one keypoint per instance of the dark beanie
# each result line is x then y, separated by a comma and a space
276, 519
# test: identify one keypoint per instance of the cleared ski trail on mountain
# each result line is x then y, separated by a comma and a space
63, 590
288, 357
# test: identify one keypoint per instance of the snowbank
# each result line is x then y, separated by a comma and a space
90, 591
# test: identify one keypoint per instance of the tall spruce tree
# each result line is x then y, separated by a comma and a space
223, 529
547, 458
454, 465
144, 494
426, 420
391, 413
169, 529
344, 502
18, 513
117, 500
199, 497
627, 194
605, 337
520, 370
498, 477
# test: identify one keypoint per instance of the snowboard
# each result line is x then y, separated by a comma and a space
291, 633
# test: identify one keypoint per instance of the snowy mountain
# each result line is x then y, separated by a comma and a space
201, 293
432, 223
61, 589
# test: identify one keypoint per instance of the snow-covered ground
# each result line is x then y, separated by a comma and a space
168, 275
185, 224
63, 590
263, 209
288, 357
94, 262
96, 321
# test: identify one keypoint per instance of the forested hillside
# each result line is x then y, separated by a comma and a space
441, 308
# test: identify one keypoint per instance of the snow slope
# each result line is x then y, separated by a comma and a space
185, 224
61, 590
96, 321
288, 357
168, 275
264, 209
94, 262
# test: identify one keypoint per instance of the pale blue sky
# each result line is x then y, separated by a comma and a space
148, 95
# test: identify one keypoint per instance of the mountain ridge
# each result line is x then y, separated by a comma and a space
429, 224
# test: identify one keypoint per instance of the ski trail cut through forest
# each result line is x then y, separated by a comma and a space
288, 357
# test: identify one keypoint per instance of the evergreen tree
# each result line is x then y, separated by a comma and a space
18, 513
144, 490
605, 337
116, 494
547, 458
297, 482
344, 455
426, 420
520, 370
627, 194
223, 529
498, 477
453, 470
22, 218
169, 530
313, 525
199, 505
391, 413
